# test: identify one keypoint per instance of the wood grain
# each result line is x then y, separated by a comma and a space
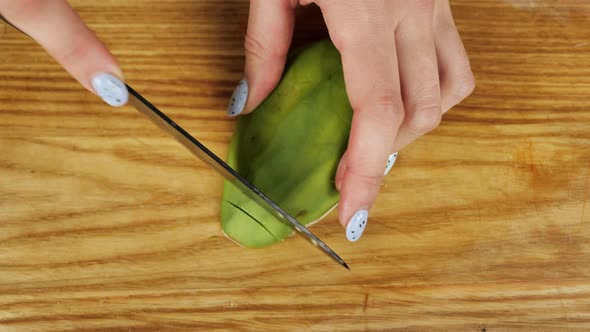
107, 224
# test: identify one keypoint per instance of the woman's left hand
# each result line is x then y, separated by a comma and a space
404, 67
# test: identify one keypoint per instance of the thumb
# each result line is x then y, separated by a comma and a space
270, 28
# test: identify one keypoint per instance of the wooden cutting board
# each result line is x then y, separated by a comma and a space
107, 224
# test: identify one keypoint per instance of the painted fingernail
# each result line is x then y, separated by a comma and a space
238, 99
390, 162
356, 225
110, 89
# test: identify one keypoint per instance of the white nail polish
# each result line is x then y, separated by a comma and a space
110, 89
356, 225
238, 99
390, 162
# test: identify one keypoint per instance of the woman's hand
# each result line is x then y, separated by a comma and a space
404, 67
56, 26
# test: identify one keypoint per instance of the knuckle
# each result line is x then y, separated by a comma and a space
254, 47
76, 52
258, 47
426, 111
425, 119
465, 84
426, 95
386, 108
365, 177
345, 38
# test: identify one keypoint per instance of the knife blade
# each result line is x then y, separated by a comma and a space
202, 152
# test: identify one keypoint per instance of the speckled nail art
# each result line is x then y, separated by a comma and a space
390, 162
110, 89
238, 99
356, 225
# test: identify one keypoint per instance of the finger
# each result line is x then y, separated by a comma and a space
61, 32
418, 75
457, 81
372, 84
270, 28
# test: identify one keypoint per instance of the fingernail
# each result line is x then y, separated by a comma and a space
110, 89
356, 225
390, 162
238, 99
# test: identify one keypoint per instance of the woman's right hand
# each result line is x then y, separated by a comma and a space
61, 32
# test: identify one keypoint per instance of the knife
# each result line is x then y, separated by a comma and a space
207, 156
210, 158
